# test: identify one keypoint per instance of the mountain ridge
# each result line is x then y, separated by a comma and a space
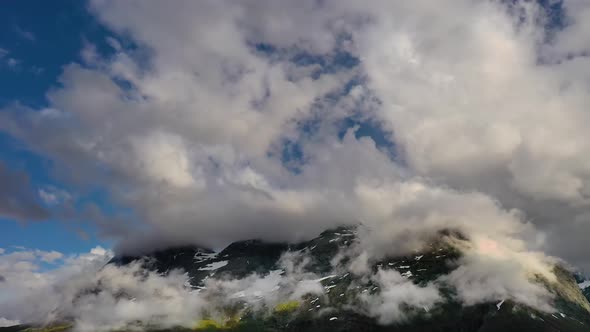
338, 308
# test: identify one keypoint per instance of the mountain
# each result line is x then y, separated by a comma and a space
584, 285
333, 310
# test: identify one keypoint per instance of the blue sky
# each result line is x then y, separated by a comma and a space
42, 37
37, 38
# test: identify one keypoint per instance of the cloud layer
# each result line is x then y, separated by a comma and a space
98, 297
219, 121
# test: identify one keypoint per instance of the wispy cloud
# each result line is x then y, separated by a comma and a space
26, 34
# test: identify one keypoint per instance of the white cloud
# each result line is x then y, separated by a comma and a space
22, 272
54, 196
194, 146
98, 251
127, 294
488, 138
6, 322
480, 278
165, 158
50, 256
396, 295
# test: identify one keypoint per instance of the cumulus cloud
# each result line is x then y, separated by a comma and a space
98, 297
50, 256
25, 280
397, 295
194, 140
494, 108
22, 269
489, 271
481, 279
225, 120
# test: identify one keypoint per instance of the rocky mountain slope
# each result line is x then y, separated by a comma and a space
584, 285
337, 309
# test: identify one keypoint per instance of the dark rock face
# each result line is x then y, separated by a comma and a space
243, 258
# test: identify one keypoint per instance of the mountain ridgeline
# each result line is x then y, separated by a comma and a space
339, 306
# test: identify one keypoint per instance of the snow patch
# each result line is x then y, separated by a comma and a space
213, 266
327, 277
203, 256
